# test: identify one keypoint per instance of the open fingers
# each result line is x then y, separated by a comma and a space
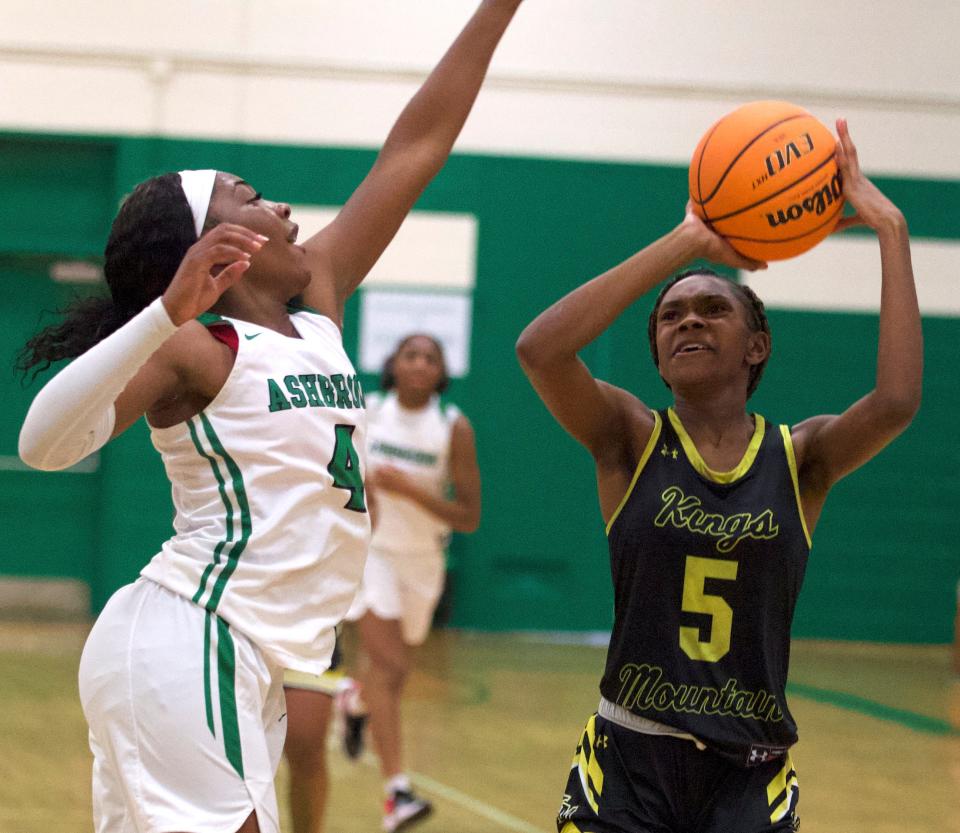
229, 275
232, 235
847, 157
220, 253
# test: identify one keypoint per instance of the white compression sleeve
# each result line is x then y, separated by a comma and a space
73, 414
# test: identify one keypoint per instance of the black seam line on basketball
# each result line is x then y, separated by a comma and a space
784, 239
700, 167
736, 158
769, 197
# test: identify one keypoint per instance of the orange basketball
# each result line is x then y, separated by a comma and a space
765, 178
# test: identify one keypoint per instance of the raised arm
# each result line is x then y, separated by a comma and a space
415, 150
593, 412
829, 447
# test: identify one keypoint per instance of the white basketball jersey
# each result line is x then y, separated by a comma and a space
418, 443
271, 526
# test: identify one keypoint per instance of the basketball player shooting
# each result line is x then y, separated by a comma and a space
709, 511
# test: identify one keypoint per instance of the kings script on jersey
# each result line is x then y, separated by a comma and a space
684, 511
314, 390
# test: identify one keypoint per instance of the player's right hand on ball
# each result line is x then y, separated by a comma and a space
210, 267
711, 246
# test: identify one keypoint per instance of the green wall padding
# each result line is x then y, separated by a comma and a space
50, 519
885, 560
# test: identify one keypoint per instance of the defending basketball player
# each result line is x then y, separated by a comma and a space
259, 417
709, 511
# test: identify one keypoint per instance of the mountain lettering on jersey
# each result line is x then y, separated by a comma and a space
643, 687
684, 511
314, 390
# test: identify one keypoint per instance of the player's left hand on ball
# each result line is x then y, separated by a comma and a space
872, 207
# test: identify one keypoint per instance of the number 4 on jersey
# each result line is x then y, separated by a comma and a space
345, 468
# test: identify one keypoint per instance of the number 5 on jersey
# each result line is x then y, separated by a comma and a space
697, 600
344, 468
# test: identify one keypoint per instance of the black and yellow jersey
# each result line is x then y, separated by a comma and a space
707, 567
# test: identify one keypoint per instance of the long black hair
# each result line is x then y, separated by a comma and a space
148, 239
752, 305
388, 380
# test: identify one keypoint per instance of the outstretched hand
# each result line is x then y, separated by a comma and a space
873, 209
711, 246
210, 267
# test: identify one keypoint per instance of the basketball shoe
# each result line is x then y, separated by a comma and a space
350, 706
404, 808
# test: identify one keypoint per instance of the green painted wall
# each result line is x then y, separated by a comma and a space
885, 559
50, 519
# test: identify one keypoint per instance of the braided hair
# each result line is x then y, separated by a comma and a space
149, 238
752, 305
389, 381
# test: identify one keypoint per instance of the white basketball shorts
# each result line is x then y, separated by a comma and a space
187, 719
405, 587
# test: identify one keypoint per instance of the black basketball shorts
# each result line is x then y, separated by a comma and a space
622, 781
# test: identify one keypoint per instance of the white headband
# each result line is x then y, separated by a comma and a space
198, 188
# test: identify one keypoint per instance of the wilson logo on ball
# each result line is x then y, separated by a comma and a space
817, 203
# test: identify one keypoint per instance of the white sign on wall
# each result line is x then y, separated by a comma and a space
387, 316
422, 283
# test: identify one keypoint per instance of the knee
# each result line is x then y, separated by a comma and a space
391, 673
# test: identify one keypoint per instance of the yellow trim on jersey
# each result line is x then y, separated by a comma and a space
647, 451
570, 827
591, 775
700, 464
325, 683
792, 463
785, 781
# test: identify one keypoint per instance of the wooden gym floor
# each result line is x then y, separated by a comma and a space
492, 722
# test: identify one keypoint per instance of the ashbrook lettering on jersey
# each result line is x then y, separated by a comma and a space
683, 511
314, 390
412, 455
643, 687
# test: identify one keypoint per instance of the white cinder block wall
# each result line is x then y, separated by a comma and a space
609, 79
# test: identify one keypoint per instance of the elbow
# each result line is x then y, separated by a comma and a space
29, 453
417, 160
898, 411
522, 347
529, 353
38, 455
35, 459
904, 412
